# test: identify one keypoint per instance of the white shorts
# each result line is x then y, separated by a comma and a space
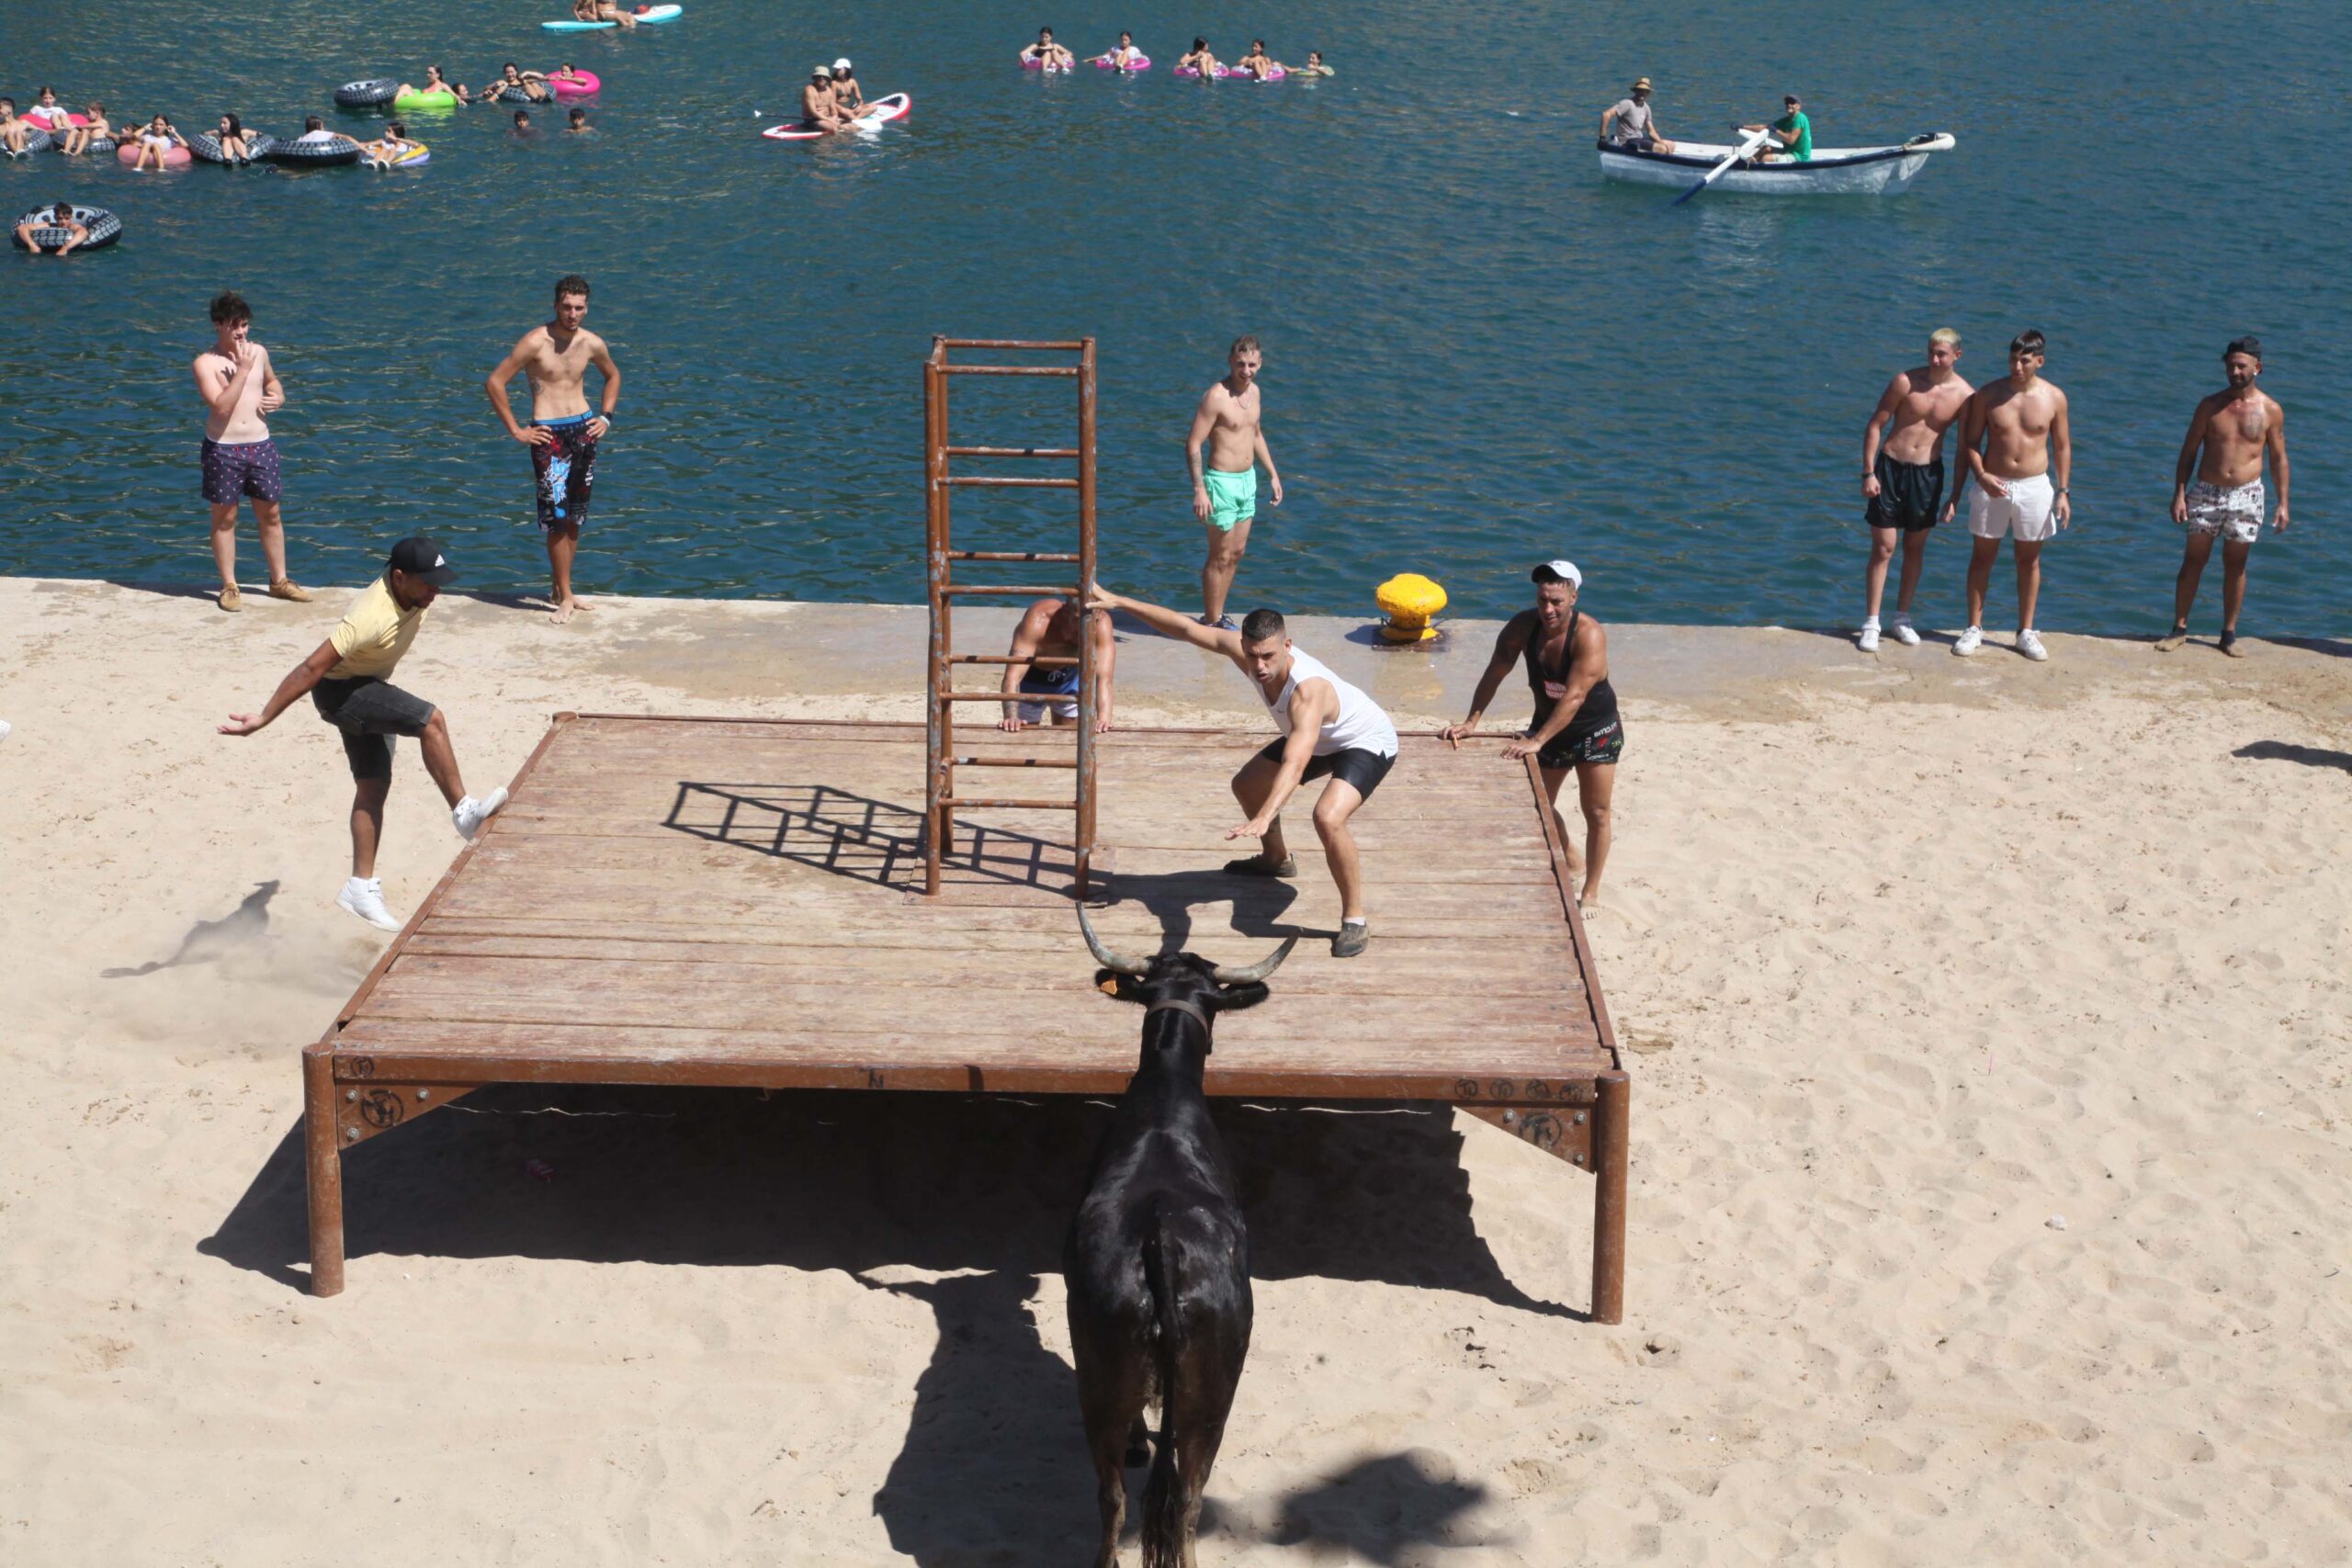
1064, 708
2235, 512
2025, 511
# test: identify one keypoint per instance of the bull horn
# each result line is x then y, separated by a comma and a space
1257, 971
1117, 962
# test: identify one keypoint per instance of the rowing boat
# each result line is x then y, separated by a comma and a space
1832, 171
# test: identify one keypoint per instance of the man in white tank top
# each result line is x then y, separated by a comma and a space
1330, 731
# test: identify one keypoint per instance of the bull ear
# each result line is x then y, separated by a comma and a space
1247, 994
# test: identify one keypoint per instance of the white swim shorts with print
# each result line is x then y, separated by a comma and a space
2026, 510
2235, 511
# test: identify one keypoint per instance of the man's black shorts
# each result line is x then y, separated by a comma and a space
1355, 766
1908, 494
1605, 744
369, 713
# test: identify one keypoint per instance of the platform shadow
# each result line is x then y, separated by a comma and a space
1391, 1510
2334, 648
854, 836
854, 1181
2287, 751
207, 941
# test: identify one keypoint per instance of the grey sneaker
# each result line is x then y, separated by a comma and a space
1353, 938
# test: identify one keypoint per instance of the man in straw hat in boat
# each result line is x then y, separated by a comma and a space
1627, 123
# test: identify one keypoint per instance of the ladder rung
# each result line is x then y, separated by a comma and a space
1012, 554
1009, 369
1007, 658
1009, 804
1011, 451
1000, 481
1058, 591
1072, 348
1002, 696
1011, 762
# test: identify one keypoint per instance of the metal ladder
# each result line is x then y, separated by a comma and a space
940, 796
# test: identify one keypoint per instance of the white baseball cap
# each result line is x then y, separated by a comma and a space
842, 63
1558, 571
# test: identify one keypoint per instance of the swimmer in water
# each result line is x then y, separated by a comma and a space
512, 79
60, 215
434, 82
1049, 55
1314, 66
1257, 63
93, 129
523, 123
395, 146
578, 125
1124, 58
570, 74
1198, 59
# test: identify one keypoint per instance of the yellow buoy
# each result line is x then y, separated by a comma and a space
1410, 602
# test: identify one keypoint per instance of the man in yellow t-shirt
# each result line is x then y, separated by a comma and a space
347, 677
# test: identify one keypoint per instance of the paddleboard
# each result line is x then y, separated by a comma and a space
653, 14
879, 112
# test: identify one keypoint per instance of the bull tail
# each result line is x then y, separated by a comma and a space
1163, 1489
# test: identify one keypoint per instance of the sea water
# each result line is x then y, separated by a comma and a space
1477, 354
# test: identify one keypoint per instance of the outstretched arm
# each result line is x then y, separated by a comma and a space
1511, 643
298, 680
1167, 623
1106, 656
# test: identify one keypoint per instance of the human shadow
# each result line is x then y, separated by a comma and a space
1391, 1510
842, 1179
1258, 903
208, 941
2334, 648
857, 837
2287, 751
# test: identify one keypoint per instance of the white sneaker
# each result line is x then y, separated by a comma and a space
1868, 641
364, 898
2029, 644
1970, 641
1901, 628
470, 814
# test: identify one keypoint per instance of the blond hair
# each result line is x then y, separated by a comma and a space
1944, 335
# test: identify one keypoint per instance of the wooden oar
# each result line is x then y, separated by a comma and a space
1734, 156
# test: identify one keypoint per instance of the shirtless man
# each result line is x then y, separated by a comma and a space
1225, 497
1330, 729
2235, 428
2019, 422
818, 109
240, 389
562, 435
1049, 629
1902, 480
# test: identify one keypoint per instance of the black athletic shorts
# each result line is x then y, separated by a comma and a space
369, 713
1605, 744
1355, 765
1908, 494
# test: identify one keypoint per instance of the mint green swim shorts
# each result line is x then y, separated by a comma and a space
1233, 498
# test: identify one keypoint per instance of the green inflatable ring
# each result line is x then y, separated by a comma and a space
416, 100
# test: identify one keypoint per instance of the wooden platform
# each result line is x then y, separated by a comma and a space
680, 901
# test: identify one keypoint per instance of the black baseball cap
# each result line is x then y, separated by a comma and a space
421, 557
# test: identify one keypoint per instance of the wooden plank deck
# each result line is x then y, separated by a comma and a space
738, 902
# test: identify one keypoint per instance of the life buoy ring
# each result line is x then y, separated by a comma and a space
587, 85
35, 140
206, 146
105, 227
174, 157
296, 153
366, 95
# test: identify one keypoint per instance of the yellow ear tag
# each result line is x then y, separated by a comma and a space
1108, 986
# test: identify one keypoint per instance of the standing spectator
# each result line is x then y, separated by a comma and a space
239, 388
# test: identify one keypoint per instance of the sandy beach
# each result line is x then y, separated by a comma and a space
1990, 1031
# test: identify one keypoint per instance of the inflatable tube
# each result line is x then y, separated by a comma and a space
55, 119
588, 84
1030, 63
416, 98
206, 146
878, 112
367, 94
1140, 62
105, 227
509, 94
127, 154
1276, 74
644, 13
35, 140
416, 157
101, 145
1221, 73
297, 154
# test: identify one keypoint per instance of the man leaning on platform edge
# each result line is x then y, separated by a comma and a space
346, 677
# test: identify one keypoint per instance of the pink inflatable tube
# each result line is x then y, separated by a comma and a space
1140, 62
127, 154
1221, 73
1031, 63
588, 84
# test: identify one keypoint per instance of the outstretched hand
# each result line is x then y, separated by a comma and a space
243, 724
1253, 829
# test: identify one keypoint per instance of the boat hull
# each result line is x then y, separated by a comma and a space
1840, 171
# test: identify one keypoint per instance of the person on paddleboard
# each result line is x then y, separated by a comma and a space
849, 98
818, 111
1789, 137
1627, 123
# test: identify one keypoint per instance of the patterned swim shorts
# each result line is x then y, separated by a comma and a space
564, 470
2233, 512
245, 468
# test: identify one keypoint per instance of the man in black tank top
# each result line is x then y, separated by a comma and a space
1575, 727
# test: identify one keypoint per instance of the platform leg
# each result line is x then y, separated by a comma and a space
322, 1172
1609, 1146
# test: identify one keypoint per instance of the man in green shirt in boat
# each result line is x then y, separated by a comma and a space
1791, 136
